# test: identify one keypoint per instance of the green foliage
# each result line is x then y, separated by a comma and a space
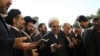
94, 16
89, 17
98, 12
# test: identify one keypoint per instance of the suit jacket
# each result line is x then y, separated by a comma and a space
17, 34
90, 42
19, 52
97, 38
35, 38
63, 51
6, 42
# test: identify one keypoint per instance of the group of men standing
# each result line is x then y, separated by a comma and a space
22, 38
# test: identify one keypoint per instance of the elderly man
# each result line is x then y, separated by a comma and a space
56, 44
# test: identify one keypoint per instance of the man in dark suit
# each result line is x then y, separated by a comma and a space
29, 22
17, 26
56, 45
65, 33
7, 43
79, 48
87, 36
92, 42
30, 30
97, 38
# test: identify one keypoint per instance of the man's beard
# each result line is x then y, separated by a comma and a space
20, 27
44, 32
3, 10
29, 32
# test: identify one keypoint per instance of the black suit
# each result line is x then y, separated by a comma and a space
92, 41
19, 52
63, 51
97, 36
35, 38
89, 42
78, 49
17, 34
6, 42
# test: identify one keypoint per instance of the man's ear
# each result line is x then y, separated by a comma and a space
14, 20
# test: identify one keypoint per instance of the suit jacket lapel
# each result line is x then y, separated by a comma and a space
4, 23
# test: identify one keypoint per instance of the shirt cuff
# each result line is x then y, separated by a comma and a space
52, 49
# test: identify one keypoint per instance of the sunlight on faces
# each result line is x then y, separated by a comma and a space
55, 27
66, 28
20, 23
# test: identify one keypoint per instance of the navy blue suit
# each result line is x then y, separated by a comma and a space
6, 42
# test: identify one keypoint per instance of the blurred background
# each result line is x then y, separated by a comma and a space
64, 10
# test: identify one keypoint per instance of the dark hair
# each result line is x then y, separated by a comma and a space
13, 13
40, 25
29, 19
96, 19
82, 18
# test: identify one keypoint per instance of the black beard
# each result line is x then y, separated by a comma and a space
28, 32
44, 32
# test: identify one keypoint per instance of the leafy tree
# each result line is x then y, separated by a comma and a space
98, 13
91, 17
94, 16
